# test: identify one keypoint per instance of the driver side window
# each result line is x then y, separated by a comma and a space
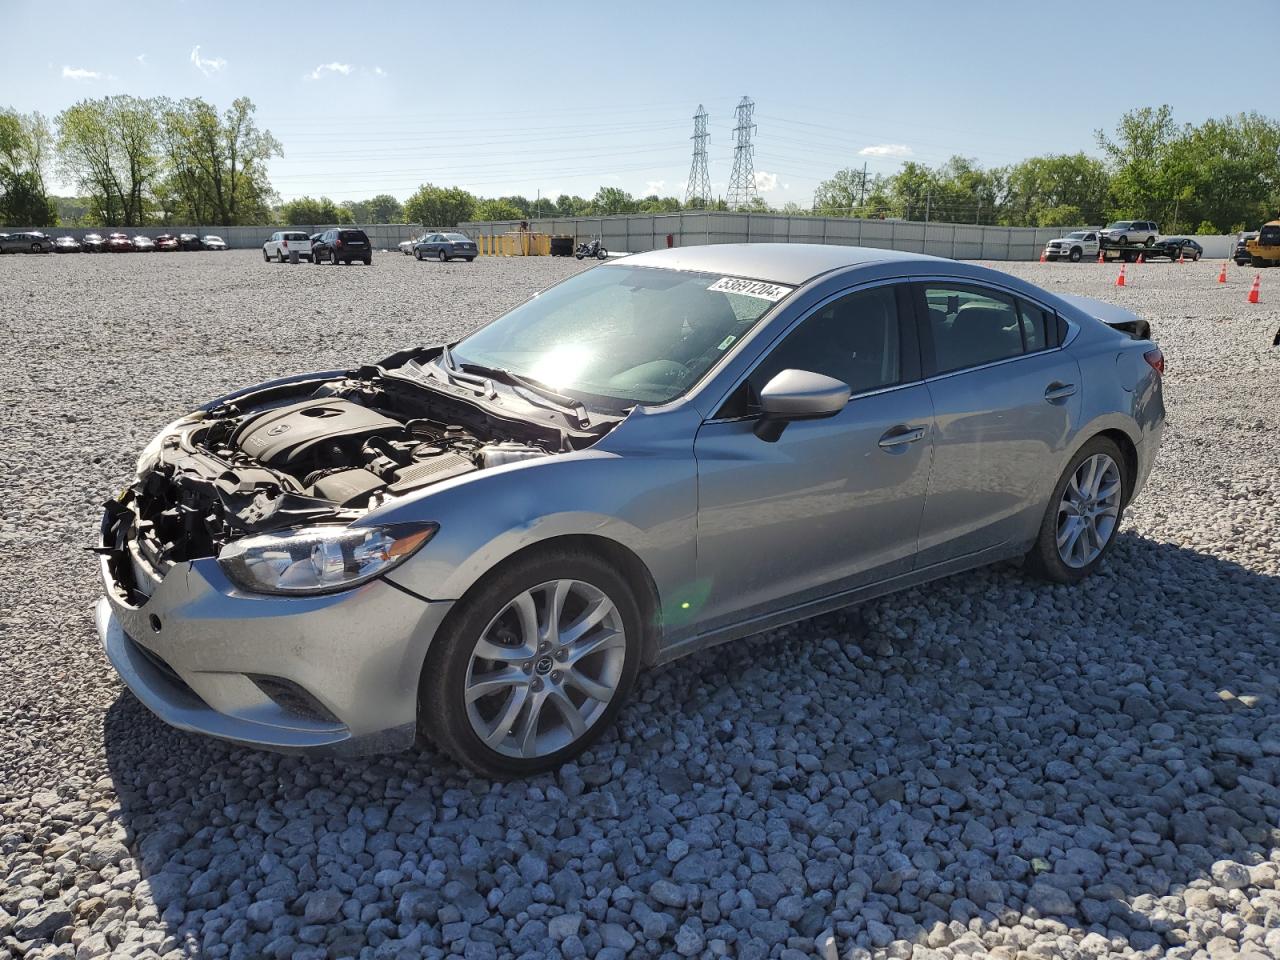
855, 339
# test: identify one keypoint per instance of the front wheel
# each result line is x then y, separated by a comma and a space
602, 254
266, 258
1195, 257
469, 259
533, 664
1076, 254
417, 254
578, 255
1083, 516
1149, 241
442, 256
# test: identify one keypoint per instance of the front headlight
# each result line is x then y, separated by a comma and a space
321, 559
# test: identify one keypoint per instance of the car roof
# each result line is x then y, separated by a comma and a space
791, 263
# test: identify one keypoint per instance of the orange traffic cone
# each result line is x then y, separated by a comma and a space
1222, 275
1101, 259
1120, 279
1180, 257
1256, 288
1043, 258
1141, 258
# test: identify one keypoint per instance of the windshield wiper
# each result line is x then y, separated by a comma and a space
547, 397
453, 374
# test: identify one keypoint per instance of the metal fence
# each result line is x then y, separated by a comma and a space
634, 233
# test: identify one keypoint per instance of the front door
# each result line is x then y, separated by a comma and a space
832, 504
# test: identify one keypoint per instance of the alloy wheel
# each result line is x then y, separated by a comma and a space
545, 669
1089, 511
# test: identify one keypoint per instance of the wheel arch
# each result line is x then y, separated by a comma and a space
627, 561
1129, 450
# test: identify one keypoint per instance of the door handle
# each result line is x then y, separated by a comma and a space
1059, 391
899, 436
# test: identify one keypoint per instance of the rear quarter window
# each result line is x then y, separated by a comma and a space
354, 235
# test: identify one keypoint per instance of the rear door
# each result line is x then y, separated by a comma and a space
1006, 399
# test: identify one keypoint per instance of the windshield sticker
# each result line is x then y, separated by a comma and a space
751, 288
724, 344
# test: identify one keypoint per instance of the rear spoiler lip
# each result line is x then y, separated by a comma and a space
1117, 318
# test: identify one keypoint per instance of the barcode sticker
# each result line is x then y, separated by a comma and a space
751, 288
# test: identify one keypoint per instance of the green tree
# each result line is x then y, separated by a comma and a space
848, 193
612, 200
216, 164
110, 149
656, 204
24, 140
1138, 155
1055, 190
567, 206
309, 211
498, 208
434, 206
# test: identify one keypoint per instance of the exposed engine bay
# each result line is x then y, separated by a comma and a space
316, 450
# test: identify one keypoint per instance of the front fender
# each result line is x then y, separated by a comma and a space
646, 504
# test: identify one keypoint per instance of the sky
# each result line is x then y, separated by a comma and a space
542, 99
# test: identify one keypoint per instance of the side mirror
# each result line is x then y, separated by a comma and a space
798, 395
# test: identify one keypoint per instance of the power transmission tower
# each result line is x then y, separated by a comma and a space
697, 192
742, 181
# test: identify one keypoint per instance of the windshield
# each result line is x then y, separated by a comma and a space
1078, 235
456, 237
635, 334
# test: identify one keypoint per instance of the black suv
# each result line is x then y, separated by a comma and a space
342, 245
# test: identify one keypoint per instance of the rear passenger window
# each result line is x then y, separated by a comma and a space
971, 327
1037, 327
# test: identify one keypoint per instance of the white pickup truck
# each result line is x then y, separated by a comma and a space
1073, 247
283, 243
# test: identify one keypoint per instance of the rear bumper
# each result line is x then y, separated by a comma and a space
197, 653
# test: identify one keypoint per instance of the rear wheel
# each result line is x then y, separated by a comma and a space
442, 256
279, 256
368, 261
1122, 241
417, 254
266, 258
1083, 516
469, 259
533, 664
1149, 241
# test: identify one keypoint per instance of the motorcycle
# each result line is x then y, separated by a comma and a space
591, 249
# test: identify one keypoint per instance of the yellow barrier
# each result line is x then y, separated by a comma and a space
517, 243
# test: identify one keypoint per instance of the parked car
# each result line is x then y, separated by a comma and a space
29, 241
93, 243
759, 433
211, 242
1175, 247
406, 246
343, 245
66, 245
1131, 232
445, 247
143, 244
1264, 249
189, 241
1080, 243
119, 243
167, 242
283, 243
1241, 253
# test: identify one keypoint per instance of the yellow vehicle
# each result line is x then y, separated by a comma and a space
1264, 249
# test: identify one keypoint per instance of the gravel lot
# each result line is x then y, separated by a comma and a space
987, 766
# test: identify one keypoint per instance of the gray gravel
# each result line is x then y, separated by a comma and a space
984, 767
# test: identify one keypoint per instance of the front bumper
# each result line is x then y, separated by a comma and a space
207, 657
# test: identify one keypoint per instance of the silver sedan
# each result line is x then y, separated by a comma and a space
484, 542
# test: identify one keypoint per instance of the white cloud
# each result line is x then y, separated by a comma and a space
206, 65
886, 150
326, 68
79, 73
654, 186
766, 182
379, 72
141, 58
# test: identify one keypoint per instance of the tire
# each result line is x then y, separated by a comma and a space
1122, 241
602, 254
1149, 241
469, 259
1076, 254
1195, 257
266, 258
579, 255
36, 248
417, 255
446, 718
368, 261
1046, 560
442, 256
279, 256
1257, 262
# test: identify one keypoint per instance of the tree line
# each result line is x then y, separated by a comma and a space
137, 161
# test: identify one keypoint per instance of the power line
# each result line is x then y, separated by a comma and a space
742, 181
699, 185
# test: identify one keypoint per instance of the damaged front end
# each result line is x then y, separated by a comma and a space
313, 451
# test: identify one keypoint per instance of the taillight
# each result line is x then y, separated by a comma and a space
1156, 359
338, 242
286, 244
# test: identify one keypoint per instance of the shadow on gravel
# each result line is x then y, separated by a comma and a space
985, 747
